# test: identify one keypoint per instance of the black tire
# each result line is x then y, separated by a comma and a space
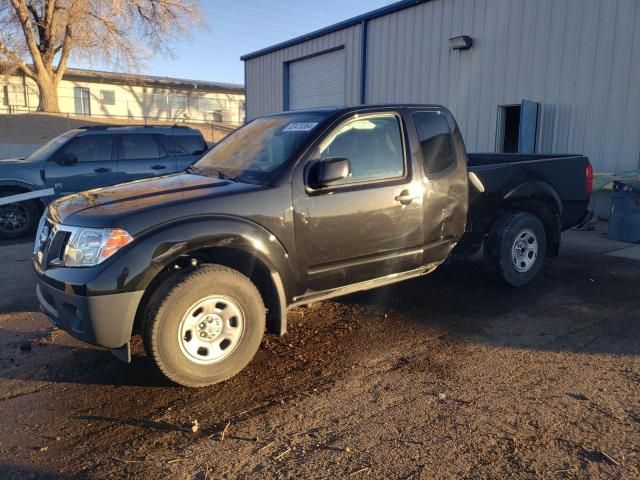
18, 220
168, 310
502, 263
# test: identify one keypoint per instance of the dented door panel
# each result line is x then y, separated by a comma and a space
445, 192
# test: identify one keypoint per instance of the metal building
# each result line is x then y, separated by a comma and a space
519, 75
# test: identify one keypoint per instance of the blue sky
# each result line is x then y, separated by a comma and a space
236, 27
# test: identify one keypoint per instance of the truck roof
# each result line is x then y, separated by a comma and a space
356, 108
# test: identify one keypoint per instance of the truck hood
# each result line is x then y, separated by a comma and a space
138, 205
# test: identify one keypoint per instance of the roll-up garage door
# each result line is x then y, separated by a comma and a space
317, 81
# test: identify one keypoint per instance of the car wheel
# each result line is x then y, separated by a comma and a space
204, 326
18, 219
515, 248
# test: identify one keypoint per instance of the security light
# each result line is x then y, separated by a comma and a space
463, 42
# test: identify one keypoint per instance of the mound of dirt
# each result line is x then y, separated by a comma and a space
39, 128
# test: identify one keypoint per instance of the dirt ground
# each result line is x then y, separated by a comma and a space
447, 376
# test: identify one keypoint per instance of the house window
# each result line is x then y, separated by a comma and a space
160, 101
108, 97
212, 104
178, 102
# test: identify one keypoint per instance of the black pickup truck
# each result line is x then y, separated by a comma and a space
292, 208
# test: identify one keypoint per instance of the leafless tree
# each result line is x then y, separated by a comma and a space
37, 37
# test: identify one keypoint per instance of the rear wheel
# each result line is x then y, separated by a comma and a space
18, 219
204, 326
515, 248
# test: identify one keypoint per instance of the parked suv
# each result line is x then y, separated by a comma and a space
86, 158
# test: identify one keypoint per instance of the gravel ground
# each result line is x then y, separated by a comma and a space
447, 376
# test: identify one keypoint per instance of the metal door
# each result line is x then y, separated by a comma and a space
528, 126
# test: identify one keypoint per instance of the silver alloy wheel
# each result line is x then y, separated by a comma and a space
524, 250
13, 218
211, 329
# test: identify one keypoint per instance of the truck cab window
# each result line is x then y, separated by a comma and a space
435, 141
373, 145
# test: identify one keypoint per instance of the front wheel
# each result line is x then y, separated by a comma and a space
515, 248
204, 326
18, 219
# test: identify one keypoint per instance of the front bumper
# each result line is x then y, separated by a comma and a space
104, 320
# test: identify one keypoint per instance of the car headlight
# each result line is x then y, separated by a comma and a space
89, 246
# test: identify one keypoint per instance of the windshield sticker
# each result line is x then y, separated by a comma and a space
300, 127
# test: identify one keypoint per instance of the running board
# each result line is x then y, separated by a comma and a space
359, 287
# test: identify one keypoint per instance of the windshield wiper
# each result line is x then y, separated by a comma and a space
194, 169
220, 174
224, 176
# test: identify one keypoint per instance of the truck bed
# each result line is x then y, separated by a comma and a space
495, 177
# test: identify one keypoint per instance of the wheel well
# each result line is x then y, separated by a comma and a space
15, 189
547, 216
240, 260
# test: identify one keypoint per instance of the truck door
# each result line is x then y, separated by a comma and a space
83, 163
141, 155
367, 225
445, 183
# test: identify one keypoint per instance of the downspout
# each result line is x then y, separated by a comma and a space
363, 61
246, 99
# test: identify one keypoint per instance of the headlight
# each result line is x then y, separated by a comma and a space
89, 246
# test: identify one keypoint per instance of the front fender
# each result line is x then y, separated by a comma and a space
135, 268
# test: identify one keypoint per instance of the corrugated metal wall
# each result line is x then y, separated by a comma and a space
264, 75
579, 58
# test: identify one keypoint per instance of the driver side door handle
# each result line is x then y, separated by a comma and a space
158, 167
405, 197
102, 170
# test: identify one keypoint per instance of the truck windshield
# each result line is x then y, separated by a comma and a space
255, 152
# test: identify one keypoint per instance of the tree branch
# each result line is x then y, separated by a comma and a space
27, 27
66, 51
19, 63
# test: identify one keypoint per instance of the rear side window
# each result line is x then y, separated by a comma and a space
435, 141
191, 144
141, 147
89, 148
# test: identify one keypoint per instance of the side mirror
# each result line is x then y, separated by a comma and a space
328, 171
67, 159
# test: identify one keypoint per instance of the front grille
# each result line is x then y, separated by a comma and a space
51, 241
56, 246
